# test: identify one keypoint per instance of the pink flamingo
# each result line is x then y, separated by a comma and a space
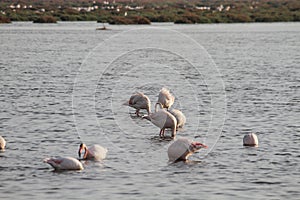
165, 98
139, 101
162, 119
64, 163
182, 148
2, 143
96, 152
250, 140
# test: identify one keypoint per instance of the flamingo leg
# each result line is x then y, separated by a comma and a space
137, 112
173, 132
163, 132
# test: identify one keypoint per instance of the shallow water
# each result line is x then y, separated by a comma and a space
65, 83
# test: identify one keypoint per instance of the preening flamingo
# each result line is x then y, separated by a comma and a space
64, 163
139, 101
182, 148
95, 152
250, 140
165, 98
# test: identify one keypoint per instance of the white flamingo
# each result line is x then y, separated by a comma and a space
182, 148
162, 119
181, 119
95, 152
250, 140
139, 101
64, 163
2, 143
165, 98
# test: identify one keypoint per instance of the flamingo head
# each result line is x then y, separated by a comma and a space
195, 146
81, 148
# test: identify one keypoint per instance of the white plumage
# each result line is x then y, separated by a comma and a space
165, 98
182, 148
64, 163
2, 143
250, 140
181, 119
139, 101
95, 152
163, 119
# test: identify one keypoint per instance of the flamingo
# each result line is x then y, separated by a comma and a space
96, 152
181, 119
64, 163
250, 140
165, 98
139, 101
2, 143
162, 119
182, 148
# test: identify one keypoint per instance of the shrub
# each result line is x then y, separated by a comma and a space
4, 19
129, 20
45, 19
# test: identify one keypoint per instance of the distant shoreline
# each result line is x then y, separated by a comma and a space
147, 12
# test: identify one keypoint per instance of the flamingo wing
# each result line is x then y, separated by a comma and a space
64, 163
97, 152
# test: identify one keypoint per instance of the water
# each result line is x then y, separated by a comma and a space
65, 83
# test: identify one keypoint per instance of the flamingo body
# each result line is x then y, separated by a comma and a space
250, 140
2, 143
64, 163
181, 119
165, 98
163, 119
182, 148
139, 101
95, 152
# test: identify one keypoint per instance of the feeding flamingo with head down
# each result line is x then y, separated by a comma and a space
95, 152
64, 163
2, 143
250, 140
180, 117
162, 119
182, 148
139, 101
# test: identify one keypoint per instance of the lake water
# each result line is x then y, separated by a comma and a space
63, 84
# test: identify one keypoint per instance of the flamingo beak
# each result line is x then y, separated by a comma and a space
79, 152
199, 145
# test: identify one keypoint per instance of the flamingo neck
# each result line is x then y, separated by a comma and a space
158, 104
86, 151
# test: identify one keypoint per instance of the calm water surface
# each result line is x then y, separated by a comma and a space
65, 83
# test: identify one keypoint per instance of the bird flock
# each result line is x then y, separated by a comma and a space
163, 117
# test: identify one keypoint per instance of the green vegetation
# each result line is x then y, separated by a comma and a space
4, 19
45, 19
145, 11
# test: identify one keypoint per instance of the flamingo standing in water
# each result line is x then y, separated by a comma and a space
2, 143
64, 163
96, 152
139, 101
181, 119
250, 140
182, 148
165, 98
162, 119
